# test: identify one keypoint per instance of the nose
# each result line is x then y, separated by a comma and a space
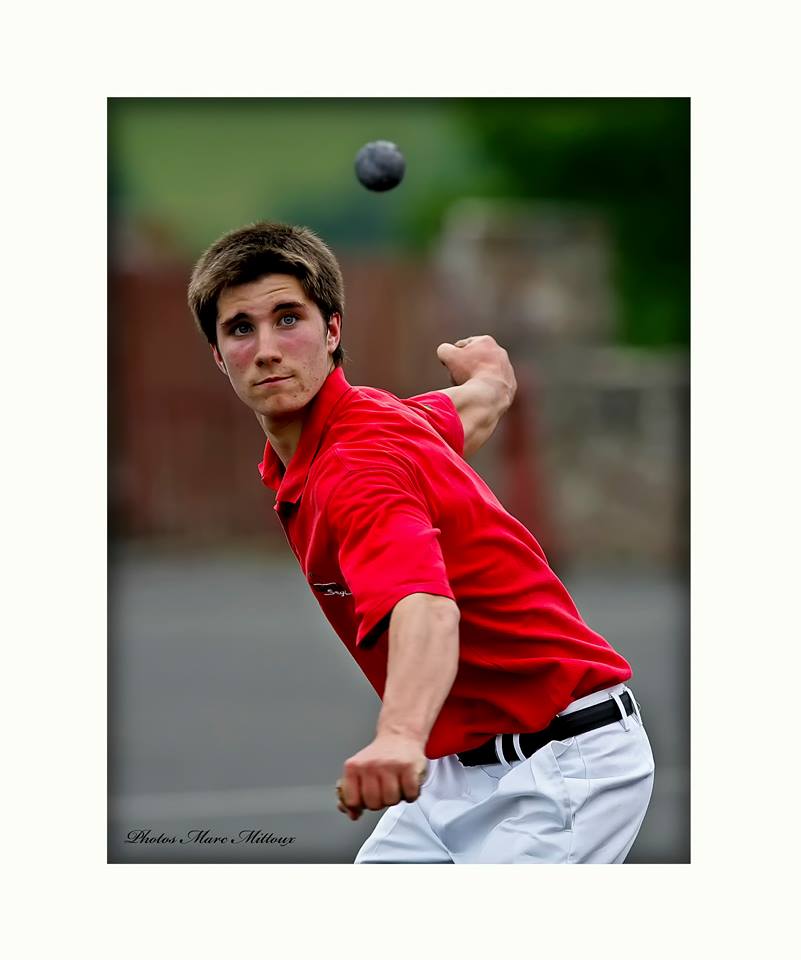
268, 352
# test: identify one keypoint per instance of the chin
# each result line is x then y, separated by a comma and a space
279, 406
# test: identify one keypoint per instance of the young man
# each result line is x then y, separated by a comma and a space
506, 732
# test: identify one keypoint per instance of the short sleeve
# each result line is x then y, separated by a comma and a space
439, 410
387, 546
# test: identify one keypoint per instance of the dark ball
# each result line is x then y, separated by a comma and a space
380, 165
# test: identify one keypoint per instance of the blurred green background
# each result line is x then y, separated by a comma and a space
201, 167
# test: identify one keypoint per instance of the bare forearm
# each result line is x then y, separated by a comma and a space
484, 385
480, 402
422, 664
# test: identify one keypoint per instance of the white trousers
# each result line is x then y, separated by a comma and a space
580, 800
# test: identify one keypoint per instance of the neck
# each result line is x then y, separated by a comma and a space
284, 437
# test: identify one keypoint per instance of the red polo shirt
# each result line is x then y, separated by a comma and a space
377, 503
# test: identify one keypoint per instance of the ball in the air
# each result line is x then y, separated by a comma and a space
380, 165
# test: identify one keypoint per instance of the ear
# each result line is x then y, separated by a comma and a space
334, 333
218, 359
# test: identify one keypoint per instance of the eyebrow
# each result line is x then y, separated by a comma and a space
244, 315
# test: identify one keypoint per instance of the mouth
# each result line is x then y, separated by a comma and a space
271, 380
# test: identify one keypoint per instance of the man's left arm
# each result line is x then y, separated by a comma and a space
421, 668
484, 386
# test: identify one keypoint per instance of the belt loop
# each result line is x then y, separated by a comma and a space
516, 745
636, 705
499, 750
619, 702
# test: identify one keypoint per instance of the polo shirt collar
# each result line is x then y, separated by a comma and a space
290, 485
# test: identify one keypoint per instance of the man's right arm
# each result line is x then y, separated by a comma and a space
484, 386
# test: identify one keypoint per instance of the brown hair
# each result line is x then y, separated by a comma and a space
248, 253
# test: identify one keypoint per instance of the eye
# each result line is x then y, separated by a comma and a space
289, 316
237, 328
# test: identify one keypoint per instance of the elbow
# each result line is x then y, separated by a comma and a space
443, 613
444, 622
437, 610
447, 626
448, 613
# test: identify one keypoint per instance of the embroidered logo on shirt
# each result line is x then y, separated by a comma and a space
331, 590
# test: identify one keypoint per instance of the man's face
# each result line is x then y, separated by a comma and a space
270, 329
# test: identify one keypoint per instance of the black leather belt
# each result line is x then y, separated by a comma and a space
560, 728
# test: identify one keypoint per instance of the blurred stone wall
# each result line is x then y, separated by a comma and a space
602, 430
615, 448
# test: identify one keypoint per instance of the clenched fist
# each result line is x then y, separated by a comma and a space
388, 770
474, 357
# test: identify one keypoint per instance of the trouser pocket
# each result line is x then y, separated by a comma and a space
549, 781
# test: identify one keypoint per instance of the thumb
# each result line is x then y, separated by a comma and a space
445, 351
